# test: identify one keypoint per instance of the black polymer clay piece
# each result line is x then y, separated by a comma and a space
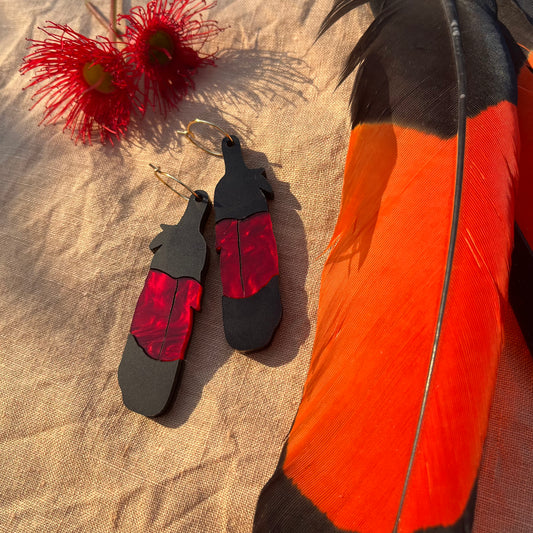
149, 385
249, 323
521, 285
242, 191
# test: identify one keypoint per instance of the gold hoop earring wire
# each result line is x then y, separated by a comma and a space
159, 173
190, 135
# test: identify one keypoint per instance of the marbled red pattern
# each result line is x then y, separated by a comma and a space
248, 254
163, 319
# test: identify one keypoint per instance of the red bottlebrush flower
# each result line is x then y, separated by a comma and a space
159, 43
84, 81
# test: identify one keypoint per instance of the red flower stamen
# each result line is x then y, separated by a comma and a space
160, 41
84, 81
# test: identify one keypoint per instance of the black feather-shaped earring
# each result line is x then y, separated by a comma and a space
251, 302
153, 358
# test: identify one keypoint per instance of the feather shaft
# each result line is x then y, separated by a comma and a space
455, 34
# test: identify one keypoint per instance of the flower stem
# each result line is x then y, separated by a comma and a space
113, 18
114, 32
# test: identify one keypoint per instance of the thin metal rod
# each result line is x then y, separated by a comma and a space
190, 135
455, 35
158, 172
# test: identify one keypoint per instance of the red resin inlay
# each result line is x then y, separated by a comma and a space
248, 254
163, 318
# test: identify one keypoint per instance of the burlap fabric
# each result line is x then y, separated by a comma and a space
76, 222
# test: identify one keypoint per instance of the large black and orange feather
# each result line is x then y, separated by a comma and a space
389, 434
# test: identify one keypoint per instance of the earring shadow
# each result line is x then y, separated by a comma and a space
243, 79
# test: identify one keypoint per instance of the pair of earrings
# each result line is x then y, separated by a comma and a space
153, 358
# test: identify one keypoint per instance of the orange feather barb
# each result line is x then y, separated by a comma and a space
390, 431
